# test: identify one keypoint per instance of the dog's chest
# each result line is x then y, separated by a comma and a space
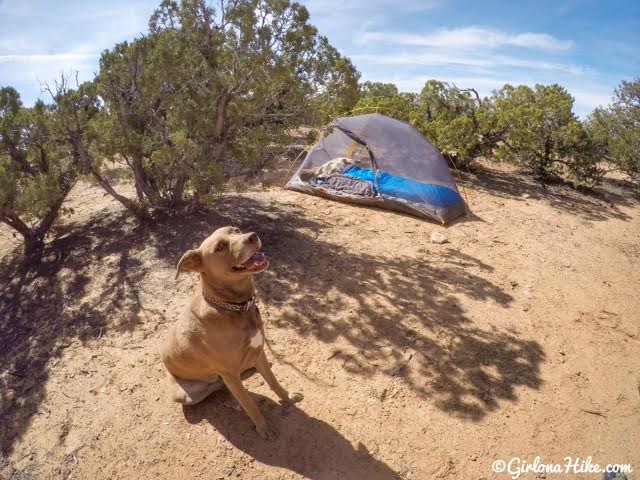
256, 340
252, 330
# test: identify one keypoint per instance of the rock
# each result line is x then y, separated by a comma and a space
397, 368
438, 237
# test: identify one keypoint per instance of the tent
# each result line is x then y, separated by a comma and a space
376, 160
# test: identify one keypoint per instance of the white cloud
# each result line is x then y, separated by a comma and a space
588, 100
476, 57
38, 43
368, 6
30, 72
339, 17
470, 38
46, 58
466, 59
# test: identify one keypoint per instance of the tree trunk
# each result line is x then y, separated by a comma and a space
32, 245
139, 211
46, 222
142, 183
33, 242
221, 115
86, 161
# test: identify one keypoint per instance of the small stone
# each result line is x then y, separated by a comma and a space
438, 237
397, 369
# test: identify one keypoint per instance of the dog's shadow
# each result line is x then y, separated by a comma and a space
305, 445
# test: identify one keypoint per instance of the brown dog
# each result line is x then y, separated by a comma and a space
220, 334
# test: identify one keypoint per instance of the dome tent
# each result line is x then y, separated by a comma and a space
376, 160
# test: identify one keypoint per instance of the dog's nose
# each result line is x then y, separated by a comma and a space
253, 238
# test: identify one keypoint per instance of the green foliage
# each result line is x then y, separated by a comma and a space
441, 101
377, 89
402, 106
212, 92
335, 85
36, 169
543, 134
532, 127
615, 129
458, 122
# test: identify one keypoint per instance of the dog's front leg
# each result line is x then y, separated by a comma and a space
262, 365
234, 384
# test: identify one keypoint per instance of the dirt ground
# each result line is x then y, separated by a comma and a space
518, 338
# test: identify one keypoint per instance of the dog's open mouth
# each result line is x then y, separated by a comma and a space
256, 262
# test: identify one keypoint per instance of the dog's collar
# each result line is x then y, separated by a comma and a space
234, 307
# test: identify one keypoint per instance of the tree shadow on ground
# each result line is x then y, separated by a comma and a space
404, 318
47, 303
306, 445
597, 204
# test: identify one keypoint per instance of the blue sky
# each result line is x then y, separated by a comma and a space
586, 46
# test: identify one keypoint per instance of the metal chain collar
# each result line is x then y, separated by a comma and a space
234, 307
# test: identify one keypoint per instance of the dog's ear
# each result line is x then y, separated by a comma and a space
191, 260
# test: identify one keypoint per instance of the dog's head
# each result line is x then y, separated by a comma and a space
226, 255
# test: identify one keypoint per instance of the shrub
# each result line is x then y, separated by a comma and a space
543, 134
37, 170
615, 130
213, 92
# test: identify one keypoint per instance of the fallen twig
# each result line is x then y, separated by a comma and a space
594, 412
71, 396
334, 353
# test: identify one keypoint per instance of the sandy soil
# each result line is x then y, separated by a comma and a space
519, 337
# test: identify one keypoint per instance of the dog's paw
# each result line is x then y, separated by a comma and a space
295, 397
267, 432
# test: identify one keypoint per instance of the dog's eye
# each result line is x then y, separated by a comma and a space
221, 246
236, 230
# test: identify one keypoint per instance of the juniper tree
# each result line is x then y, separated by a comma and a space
615, 129
213, 92
37, 170
543, 133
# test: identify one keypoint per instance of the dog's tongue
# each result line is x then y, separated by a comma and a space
255, 261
